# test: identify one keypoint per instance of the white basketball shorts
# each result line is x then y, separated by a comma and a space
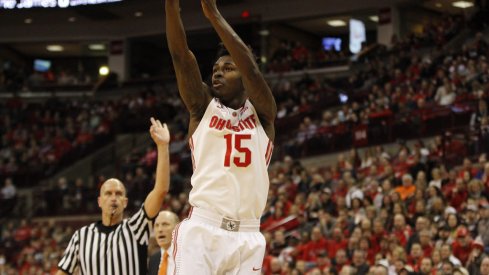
209, 244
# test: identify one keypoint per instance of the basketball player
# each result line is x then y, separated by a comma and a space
231, 132
115, 245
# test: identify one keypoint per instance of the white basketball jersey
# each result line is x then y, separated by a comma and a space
230, 154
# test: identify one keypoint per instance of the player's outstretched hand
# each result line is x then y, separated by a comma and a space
159, 132
209, 7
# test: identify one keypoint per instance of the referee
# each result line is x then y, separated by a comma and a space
115, 245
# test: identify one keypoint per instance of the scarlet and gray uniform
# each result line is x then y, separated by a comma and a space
230, 154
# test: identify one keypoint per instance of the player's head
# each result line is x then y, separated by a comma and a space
164, 224
227, 84
112, 198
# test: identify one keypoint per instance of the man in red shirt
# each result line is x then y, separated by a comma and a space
461, 246
315, 246
337, 242
401, 230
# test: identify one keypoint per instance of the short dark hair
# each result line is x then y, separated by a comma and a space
222, 51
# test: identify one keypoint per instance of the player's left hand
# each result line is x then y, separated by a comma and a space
209, 7
159, 132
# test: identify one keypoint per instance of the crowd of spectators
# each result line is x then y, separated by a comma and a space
405, 96
39, 138
32, 248
395, 210
16, 77
404, 89
295, 56
434, 33
400, 211
399, 208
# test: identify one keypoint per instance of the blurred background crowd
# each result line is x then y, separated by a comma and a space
383, 169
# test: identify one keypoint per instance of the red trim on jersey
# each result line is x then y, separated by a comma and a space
175, 238
268, 155
191, 145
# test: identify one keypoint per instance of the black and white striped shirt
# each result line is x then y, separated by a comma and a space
117, 249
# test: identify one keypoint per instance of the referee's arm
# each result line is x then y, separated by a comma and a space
161, 136
69, 261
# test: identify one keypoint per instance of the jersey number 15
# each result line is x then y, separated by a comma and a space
230, 145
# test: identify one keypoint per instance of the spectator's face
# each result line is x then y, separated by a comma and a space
164, 224
419, 206
301, 266
445, 252
364, 245
358, 258
420, 224
484, 212
366, 225
452, 221
471, 215
112, 199
447, 269
399, 222
337, 233
279, 236
378, 227
380, 271
340, 257
436, 257
315, 234
426, 266
416, 251
424, 238
463, 240
407, 181
484, 269
275, 265
398, 265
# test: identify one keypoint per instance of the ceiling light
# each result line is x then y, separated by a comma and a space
72, 19
264, 32
28, 20
96, 47
438, 5
374, 18
138, 14
104, 70
463, 4
336, 23
55, 48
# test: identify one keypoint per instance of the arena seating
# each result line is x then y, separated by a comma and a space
377, 204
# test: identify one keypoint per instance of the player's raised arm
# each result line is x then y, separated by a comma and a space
192, 90
161, 136
253, 80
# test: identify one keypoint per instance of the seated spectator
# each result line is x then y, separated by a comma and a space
407, 189
484, 267
462, 245
8, 197
9, 192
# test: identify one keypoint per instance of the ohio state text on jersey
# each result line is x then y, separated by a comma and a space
230, 155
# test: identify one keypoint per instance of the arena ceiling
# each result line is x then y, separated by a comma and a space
27, 32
